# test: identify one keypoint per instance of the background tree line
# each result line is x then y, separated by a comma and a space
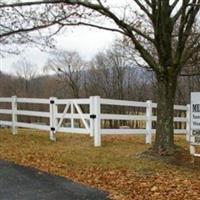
110, 74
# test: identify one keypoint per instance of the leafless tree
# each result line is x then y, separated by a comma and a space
69, 67
25, 72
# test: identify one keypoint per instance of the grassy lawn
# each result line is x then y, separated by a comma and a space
117, 166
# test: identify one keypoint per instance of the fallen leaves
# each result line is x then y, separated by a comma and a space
154, 188
115, 167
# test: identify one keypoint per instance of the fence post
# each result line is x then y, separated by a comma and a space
192, 149
97, 121
52, 119
91, 116
188, 123
149, 122
14, 115
72, 113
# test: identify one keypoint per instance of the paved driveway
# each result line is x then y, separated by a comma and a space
24, 183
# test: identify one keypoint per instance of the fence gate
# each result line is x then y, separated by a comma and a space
72, 110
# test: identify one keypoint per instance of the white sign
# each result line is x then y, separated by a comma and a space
195, 117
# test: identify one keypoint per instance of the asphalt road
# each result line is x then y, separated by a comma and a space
24, 183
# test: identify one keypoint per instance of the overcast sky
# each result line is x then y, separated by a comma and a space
85, 40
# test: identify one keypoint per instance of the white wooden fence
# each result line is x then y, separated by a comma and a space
91, 119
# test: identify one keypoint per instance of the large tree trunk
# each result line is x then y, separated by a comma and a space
166, 90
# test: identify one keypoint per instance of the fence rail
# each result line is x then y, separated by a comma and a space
90, 119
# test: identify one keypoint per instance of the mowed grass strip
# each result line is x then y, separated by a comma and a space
116, 167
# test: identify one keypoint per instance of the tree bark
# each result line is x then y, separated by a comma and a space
166, 90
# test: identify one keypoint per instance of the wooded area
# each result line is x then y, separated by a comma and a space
111, 74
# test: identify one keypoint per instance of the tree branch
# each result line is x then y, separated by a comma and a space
192, 74
22, 4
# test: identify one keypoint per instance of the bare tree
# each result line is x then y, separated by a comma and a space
165, 25
69, 67
25, 69
25, 72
